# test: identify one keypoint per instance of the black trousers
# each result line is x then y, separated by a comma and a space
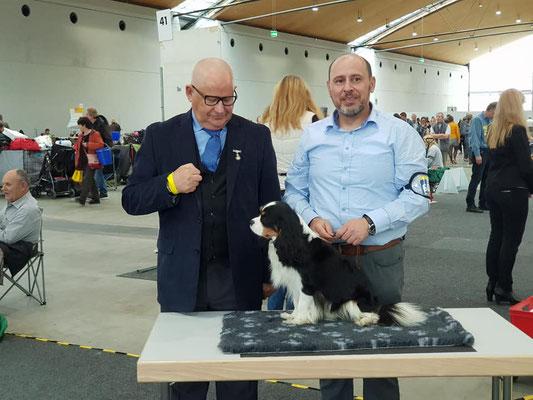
508, 215
89, 186
479, 174
216, 292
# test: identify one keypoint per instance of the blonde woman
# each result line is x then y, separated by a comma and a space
291, 110
509, 184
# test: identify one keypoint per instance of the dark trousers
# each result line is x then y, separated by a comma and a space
384, 270
89, 186
215, 293
479, 174
508, 215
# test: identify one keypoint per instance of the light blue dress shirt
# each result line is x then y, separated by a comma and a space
340, 175
202, 137
20, 220
478, 133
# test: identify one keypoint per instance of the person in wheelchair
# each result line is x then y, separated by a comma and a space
20, 222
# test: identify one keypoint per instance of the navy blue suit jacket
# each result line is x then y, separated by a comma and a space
251, 182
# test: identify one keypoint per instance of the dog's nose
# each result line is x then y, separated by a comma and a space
251, 222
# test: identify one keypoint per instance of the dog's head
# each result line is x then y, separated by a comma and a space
273, 219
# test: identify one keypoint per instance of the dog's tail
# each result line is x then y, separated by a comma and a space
403, 314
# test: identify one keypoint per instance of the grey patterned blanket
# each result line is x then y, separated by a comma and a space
263, 333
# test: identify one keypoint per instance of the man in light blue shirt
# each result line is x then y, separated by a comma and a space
350, 181
20, 222
480, 153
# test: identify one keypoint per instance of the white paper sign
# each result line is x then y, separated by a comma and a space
164, 25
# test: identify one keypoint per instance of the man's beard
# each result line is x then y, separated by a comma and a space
351, 111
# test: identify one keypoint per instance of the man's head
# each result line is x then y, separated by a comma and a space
92, 114
489, 112
413, 117
47, 131
15, 184
85, 124
403, 115
212, 82
439, 117
350, 84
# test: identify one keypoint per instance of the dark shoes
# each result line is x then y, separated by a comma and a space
505, 297
103, 195
82, 202
490, 291
483, 207
473, 209
92, 201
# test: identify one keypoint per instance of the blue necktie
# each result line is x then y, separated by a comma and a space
212, 150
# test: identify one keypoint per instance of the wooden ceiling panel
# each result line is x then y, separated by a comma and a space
157, 4
335, 22
464, 15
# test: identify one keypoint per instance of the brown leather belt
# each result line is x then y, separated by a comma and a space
359, 250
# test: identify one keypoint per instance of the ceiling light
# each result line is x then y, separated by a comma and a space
359, 16
480, 5
475, 47
314, 8
414, 33
518, 20
435, 39
498, 11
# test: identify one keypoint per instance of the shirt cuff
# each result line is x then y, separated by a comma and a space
308, 215
380, 219
171, 186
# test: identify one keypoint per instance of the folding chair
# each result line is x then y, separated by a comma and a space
33, 269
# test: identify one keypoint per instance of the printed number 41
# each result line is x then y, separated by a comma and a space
163, 21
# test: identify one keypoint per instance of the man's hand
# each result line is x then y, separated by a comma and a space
354, 231
186, 178
479, 160
323, 228
268, 289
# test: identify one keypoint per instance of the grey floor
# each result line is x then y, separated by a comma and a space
88, 304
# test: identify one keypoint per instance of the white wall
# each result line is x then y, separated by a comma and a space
423, 88
256, 72
48, 65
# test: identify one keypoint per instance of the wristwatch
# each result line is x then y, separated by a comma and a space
371, 225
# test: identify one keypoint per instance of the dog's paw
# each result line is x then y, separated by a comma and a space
367, 319
297, 321
285, 315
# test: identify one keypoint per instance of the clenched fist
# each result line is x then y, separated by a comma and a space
186, 178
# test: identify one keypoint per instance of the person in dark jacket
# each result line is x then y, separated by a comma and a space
101, 125
509, 187
206, 173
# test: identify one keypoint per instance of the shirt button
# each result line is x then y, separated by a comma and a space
211, 213
343, 188
346, 148
344, 209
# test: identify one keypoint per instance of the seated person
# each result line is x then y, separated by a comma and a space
433, 153
20, 222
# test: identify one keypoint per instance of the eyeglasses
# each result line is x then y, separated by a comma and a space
213, 100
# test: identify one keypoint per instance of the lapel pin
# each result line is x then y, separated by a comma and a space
237, 154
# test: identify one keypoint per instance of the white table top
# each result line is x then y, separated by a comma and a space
183, 347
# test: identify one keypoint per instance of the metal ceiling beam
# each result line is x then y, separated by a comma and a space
272, 14
465, 38
418, 37
423, 12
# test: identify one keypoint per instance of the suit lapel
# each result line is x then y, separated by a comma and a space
189, 145
236, 140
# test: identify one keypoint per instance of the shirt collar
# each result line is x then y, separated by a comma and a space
196, 127
18, 203
333, 121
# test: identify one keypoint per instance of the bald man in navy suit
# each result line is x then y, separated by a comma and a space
206, 173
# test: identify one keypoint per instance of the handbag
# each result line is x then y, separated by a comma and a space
77, 176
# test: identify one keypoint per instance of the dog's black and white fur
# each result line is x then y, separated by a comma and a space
322, 283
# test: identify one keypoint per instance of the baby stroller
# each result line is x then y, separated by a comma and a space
58, 166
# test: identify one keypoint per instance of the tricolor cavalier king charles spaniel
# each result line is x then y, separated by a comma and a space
322, 283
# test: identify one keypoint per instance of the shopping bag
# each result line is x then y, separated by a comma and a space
77, 176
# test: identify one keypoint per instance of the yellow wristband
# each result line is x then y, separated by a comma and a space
171, 186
